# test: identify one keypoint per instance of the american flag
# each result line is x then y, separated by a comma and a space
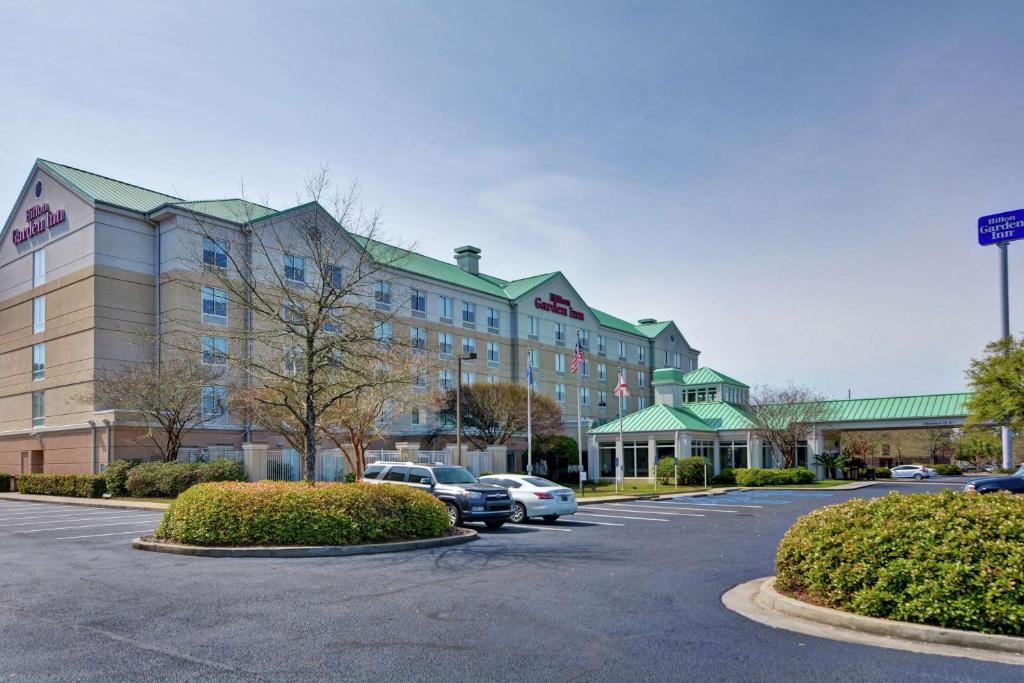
577, 356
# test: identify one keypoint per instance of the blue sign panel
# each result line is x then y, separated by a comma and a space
1001, 227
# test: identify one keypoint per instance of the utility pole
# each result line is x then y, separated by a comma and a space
1004, 278
458, 404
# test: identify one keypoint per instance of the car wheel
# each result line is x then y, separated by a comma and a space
550, 519
518, 514
917, 477
454, 516
495, 523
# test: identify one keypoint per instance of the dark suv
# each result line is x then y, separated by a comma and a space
467, 499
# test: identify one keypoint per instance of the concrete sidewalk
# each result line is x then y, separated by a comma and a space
113, 503
622, 498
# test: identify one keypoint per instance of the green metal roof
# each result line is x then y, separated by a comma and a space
234, 210
516, 288
709, 376
896, 407
652, 330
610, 321
657, 418
107, 190
722, 416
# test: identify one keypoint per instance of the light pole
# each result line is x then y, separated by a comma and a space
458, 403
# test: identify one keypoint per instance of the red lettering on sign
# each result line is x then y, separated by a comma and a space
558, 305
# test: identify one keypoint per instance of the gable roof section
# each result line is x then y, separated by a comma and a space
517, 288
896, 407
722, 416
610, 321
652, 330
107, 190
657, 418
233, 210
710, 376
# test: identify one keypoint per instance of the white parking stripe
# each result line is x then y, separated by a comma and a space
76, 519
642, 519
12, 518
724, 505
36, 509
644, 512
706, 508
580, 521
86, 526
113, 533
536, 527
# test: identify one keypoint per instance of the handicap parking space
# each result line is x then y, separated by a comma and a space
753, 498
72, 523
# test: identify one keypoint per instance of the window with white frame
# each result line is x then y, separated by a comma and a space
446, 379
585, 367
215, 253
414, 416
418, 337
290, 313
641, 354
668, 359
560, 333
418, 303
332, 321
492, 379
38, 408
39, 314
38, 361
641, 402
585, 396
382, 293
532, 358
382, 331
215, 306
493, 319
677, 360
294, 268
622, 350
38, 267
420, 381
445, 308
215, 401
445, 344
585, 339
602, 344
602, 399
215, 350
534, 326
335, 275
469, 313
602, 372
641, 379
468, 377
560, 363
290, 361
493, 354
468, 347
560, 393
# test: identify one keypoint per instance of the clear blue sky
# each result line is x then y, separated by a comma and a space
795, 183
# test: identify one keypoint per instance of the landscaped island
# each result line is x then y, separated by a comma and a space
298, 514
954, 560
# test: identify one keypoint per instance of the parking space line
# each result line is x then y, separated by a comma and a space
56, 516
656, 507
74, 519
580, 521
112, 533
724, 505
642, 519
535, 527
644, 512
86, 526
35, 509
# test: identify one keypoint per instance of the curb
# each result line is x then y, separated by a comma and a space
462, 536
758, 600
652, 496
83, 502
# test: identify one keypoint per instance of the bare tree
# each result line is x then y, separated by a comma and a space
784, 415
168, 399
859, 444
312, 295
493, 413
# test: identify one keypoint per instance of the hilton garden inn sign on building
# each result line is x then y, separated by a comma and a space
87, 261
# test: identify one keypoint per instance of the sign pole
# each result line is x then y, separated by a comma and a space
1004, 277
529, 414
579, 430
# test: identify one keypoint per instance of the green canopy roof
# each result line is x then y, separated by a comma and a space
896, 407
657, 418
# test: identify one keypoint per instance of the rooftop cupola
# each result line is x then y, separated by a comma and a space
468, 259
646, 321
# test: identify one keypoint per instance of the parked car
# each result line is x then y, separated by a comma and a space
917, 472
535, 496
932, 472
466, 499
1013, 483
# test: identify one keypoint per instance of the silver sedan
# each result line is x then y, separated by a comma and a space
535, 496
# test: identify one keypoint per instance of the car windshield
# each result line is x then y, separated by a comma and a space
454, 475
1020, 472
537, 481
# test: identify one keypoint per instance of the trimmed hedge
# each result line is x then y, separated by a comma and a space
883, 473
691, 471
170, 479
953, 559
75, 485
756, 476
726, 477
947, 470
286, 513
116, 475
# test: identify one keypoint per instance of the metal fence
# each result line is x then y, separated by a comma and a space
209, 454
286, 465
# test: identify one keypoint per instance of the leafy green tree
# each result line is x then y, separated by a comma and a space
997, 379
978, 446
558, 451
831, 461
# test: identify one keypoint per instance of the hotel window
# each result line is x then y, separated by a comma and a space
712, 394
534, 328
335, 275
560, 393
382, 294
493, 320
492, 379
733, 453
702, 449
331, 323
418, 303
468, 347
414, 416
668, 359
291, 314
560, 333
468, 377
38, 267
382, 331
622, 350
691, 396
641, 379
215, 252
602, 399
420, 381
215, 401
641, 354
468, 313
560, 363
445, 379
215, 351
702, 395
602, 344
602, 372
38, 361
532, 358
446, 308
585, 367
294, 268
38, 409
641, 403
585, 339
290, 361
215, 306
493, 354
585, 396
39, 314
418, 337
445, 344
446, 418
677, 360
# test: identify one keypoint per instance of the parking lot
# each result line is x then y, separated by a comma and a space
620, 591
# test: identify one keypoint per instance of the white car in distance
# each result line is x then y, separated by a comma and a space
917, 472
534, 496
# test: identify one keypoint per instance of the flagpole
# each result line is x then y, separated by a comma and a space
622, 445
579, 427
529, 415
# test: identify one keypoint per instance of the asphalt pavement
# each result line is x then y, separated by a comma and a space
619, 592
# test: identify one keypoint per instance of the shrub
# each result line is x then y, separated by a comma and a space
726, 477
5, 483
883, 473
169, 479
75, 485
948, 470
756, 476
691, 471
954, 560
285, 513
116, 475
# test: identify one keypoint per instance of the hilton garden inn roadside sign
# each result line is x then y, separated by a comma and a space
1001, 227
